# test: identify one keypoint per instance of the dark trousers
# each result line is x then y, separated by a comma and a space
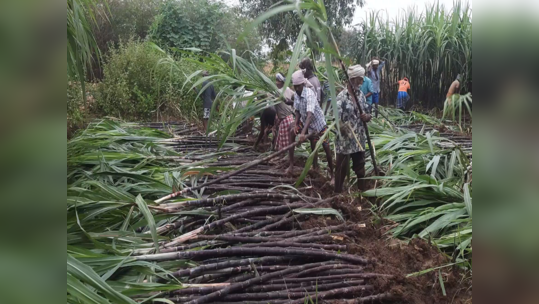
343, 167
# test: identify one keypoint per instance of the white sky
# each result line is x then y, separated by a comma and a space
392, 7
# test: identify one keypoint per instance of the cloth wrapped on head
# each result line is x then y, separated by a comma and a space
280, 77
356, 71
375, 62
298, 78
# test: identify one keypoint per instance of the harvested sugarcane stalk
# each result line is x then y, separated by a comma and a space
245, 168
238, 239
230, 198
271, 210
336, 292
321, 269
287, 218
242, 251
242, 285
230, 263
291, 294
299, 245
191, 246
333, 278
241, 278
302, 285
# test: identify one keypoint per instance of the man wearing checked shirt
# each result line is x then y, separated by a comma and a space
309, 118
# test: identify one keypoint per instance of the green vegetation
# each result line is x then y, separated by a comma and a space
430, 49
117, 170
203, 24
125, 20
137, 87
427, 187
82, 50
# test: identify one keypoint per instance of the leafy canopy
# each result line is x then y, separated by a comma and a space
287, 25
202, 24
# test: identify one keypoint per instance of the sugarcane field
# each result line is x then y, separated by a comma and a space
269, 152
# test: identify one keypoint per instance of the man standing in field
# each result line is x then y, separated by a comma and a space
375, 74
208, 96
308, 68
454, 89
309, 117
284, 114
350, 143
403, 97
368, 90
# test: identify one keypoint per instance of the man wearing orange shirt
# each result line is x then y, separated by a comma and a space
403, 97
454, 88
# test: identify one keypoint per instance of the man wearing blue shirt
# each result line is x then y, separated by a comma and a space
368, 91
375, 74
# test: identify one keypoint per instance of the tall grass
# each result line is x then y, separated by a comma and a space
81, 43
429, 48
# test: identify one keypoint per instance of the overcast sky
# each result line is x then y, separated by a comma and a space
392, 7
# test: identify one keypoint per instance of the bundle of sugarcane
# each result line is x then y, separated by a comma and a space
255, 251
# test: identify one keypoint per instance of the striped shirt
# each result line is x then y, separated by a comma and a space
308, 102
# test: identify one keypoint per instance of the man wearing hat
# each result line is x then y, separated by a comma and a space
374, 73
350, 143
309, 118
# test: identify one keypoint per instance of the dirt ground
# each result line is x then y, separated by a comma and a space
392, 256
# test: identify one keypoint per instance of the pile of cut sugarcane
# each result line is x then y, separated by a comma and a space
258, 245
255, 251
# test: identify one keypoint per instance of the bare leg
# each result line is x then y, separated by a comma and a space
291, 152
340, 172
315, 160
330, 163
205, 123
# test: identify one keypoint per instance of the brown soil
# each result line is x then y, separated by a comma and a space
398, 258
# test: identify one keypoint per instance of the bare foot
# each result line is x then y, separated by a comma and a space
289, 171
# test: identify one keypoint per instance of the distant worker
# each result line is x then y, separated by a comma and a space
326, 93
402, 96
309, 117
208, 96
454, 88
307, 65
375, 74
368, 90
267, 122
350, 143
285, 114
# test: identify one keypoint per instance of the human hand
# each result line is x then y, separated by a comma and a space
366, 117
302, 137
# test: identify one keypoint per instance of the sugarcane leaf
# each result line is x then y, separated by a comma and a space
86, 275
82, 292
320, 211
143, 207
441, 280
467, 198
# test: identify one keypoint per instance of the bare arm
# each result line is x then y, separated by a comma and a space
368, 94
307, 123
262, 131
